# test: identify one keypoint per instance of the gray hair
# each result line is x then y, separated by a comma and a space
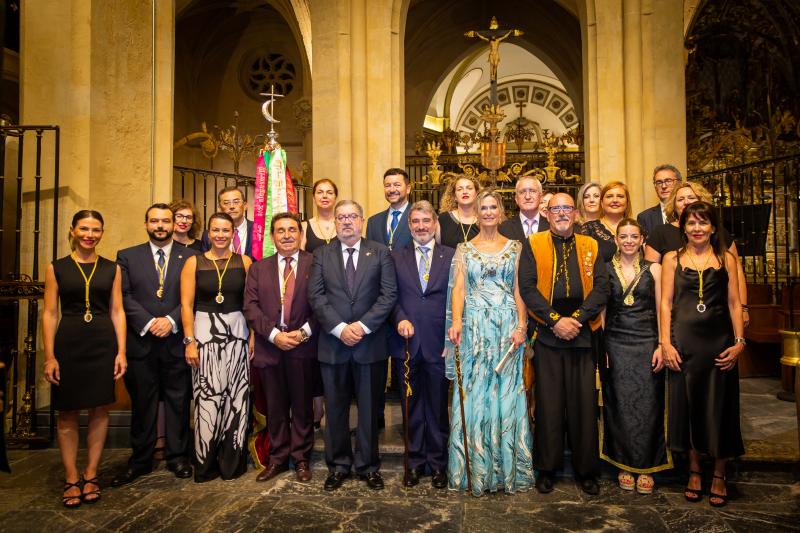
425, 206
344, 203
538, 184
671, 168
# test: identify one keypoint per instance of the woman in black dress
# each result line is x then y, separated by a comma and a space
616, 205
667, 237
219, 347
457, 218
84, 353
320, 230
187, 225
701, 334
632, 433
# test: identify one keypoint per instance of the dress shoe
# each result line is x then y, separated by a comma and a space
374, 480
182, 469
439, 479
590, 486
411, 478
335, 480
271, 471
302, 471
127, 476
544, 483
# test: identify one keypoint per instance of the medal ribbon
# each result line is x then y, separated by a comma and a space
220, 276
700, 277
86, 280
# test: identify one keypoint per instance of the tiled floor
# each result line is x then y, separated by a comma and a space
764, 488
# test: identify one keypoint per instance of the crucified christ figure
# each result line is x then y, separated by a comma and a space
494, 37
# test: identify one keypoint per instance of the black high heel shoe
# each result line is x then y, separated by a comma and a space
692, 495
723, 498
68, 500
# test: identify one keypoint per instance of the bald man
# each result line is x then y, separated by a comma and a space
564, 284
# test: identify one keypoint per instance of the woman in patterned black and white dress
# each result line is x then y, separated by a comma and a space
218, 348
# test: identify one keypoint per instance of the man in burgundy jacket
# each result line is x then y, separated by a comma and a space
276, 307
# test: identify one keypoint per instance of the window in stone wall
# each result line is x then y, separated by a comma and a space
261, 69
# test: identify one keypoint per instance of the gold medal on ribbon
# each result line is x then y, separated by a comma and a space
628, 300
87, 317
220, 298
160, 292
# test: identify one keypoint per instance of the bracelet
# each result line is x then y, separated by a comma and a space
745, 307
739, 340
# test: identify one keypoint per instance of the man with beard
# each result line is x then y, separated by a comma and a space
156, 367
276, 307
352, 291
564, 285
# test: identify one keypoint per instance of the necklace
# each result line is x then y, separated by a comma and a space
611, 228
326, 238
220, 298
161, 270
563, 268
461, 225
701, 307
87, 316
621, 275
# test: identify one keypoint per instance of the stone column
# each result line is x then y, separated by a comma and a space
88, 67
357, 96
634, 91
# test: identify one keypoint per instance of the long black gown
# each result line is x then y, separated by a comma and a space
85, 351
632, 430
703, 400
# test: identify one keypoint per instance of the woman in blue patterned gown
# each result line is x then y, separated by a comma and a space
486, 320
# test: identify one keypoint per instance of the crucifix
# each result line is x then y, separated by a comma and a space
494, 36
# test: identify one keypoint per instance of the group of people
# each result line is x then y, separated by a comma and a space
556, 322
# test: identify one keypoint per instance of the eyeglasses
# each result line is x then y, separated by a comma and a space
664, 183
181, 216
229, 203
352, 217
559, 209
528, 192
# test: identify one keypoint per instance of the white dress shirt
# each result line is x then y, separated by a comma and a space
402, 210
337, 330
167, 251
281, 267
241, 229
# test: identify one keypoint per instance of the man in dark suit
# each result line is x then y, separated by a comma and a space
665, 177
528, 195
352, 292
231, 200
423, 271
390, 227
156, 368
276, 307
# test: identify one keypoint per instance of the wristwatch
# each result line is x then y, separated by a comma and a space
188, 340
303, 336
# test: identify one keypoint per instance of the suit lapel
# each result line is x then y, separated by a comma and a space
150, 266
411, 264
437, 265
338, 260
402, 227
175, 262
303, 267
384, 216
366, 255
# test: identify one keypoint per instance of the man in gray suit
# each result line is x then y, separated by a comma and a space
352, 291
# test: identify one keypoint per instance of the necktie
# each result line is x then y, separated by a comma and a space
237, 242
423, 267
288, 289
528, 225
393, 225
161, 260
350, 270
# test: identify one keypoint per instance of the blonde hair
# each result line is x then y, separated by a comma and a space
617, 185
448, 201
487, 193
579, 200
701, 192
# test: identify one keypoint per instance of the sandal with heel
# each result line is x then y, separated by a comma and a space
694, 495
723, 498
96, 492
67, 501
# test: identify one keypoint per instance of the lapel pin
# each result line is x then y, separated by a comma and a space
368, 254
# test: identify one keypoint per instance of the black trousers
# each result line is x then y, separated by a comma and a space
159, 375
341, 382
565, 389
